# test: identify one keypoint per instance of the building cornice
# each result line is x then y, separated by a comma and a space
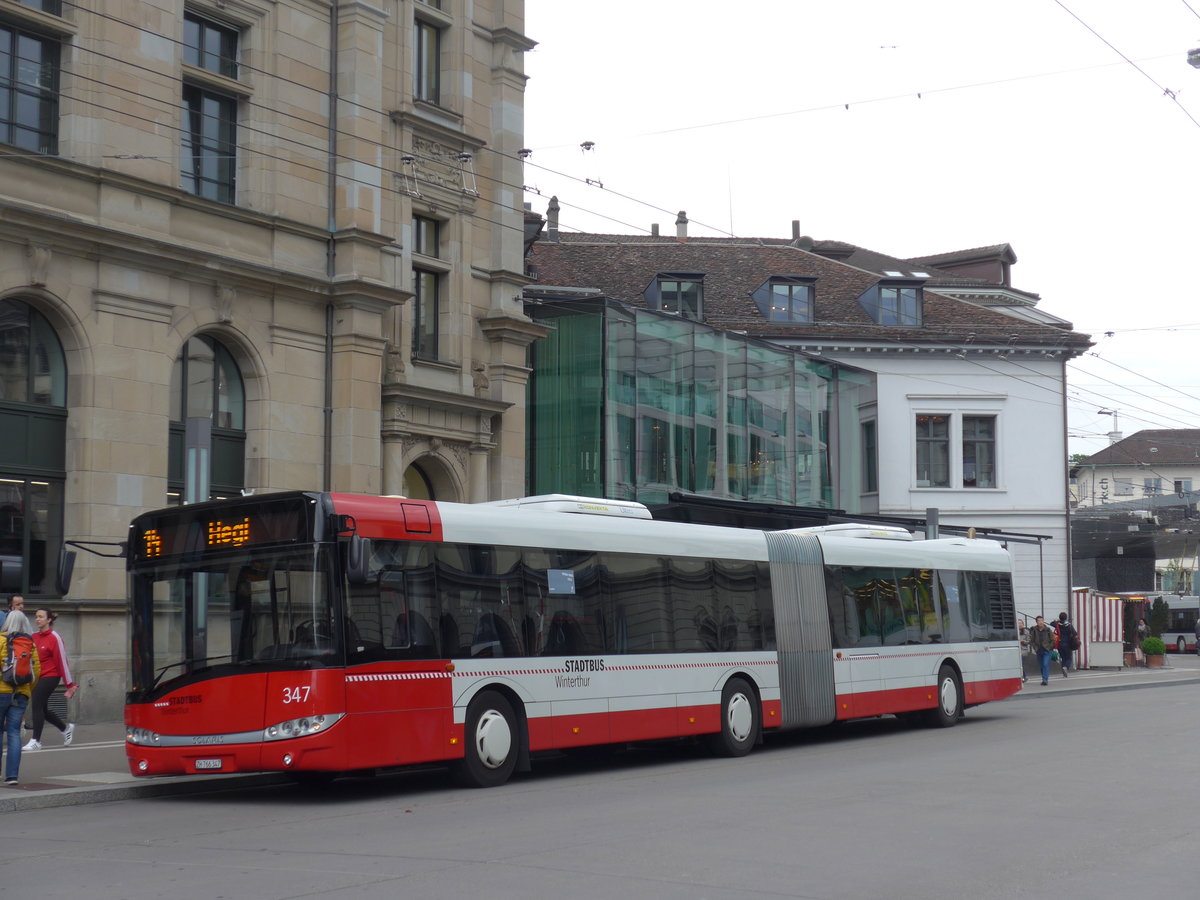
962, 350
435, 399
21, 224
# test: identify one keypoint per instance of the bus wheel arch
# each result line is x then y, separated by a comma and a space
495, 739
948, 697
741, 718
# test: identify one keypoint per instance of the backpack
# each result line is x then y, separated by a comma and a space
18, 660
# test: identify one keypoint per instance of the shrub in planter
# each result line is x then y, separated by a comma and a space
1153, 646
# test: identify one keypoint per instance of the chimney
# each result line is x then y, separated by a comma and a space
654, 230
800, 241
552, 219
681, 224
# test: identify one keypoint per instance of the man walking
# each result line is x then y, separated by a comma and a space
1041, 639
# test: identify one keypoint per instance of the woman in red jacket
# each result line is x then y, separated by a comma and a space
53, 654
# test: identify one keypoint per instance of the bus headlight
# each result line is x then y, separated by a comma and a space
141, 736
302, 727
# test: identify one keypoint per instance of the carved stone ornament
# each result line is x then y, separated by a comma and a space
480, 379
435, 163
226, 296
460, 453
39, 263
393, 363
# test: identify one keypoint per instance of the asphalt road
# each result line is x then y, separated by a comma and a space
1074, 795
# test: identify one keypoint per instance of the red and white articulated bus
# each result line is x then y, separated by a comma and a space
321, 633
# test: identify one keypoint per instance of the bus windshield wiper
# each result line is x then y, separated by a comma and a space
165, 669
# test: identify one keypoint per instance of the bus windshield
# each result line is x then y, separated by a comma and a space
229, 611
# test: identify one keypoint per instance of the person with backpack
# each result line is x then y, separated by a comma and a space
19, 671
1068, 641
52, 656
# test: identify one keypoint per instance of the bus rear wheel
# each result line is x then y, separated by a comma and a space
741, 720
949, 699
492, 738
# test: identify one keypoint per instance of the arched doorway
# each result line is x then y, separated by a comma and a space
430, 478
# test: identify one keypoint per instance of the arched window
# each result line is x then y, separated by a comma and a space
206, 384
33, 422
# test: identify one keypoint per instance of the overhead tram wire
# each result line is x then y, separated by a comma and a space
869, 101
1141, 394
1166, 92
592, 184
1050, 388
319, 168
1146, 377
391, 151
274, 75
399, 155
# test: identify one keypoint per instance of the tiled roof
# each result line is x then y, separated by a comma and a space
622, 266
873, 261
1155, 447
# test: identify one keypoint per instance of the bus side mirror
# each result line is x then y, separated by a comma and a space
358, 559
66, 568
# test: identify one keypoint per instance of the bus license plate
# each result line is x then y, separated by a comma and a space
208, 764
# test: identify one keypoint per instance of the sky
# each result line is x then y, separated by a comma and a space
1069, 129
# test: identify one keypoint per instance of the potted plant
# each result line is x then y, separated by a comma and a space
1155, 650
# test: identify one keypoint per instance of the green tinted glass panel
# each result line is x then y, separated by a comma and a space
566, 408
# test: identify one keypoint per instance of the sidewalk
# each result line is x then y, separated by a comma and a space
94, 770
1183, 669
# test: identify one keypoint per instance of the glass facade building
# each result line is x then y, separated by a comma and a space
630, 403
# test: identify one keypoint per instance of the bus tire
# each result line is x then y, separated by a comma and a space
949, 699
492, 737
741, 720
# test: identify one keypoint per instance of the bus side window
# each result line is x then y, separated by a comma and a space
895, 631
843, 610
636, 588
954, 615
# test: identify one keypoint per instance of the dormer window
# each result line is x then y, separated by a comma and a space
786, 298
681, 293
894, 302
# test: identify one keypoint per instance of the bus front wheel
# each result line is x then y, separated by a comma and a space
949, 699
492, 738
740, 720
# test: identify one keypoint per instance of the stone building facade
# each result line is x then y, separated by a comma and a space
279, 236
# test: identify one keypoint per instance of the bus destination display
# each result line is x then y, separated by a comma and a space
206, 531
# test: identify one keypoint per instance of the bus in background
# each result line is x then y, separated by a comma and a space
324, 633
1180, 633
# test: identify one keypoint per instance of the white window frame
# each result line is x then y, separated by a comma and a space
956, 445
